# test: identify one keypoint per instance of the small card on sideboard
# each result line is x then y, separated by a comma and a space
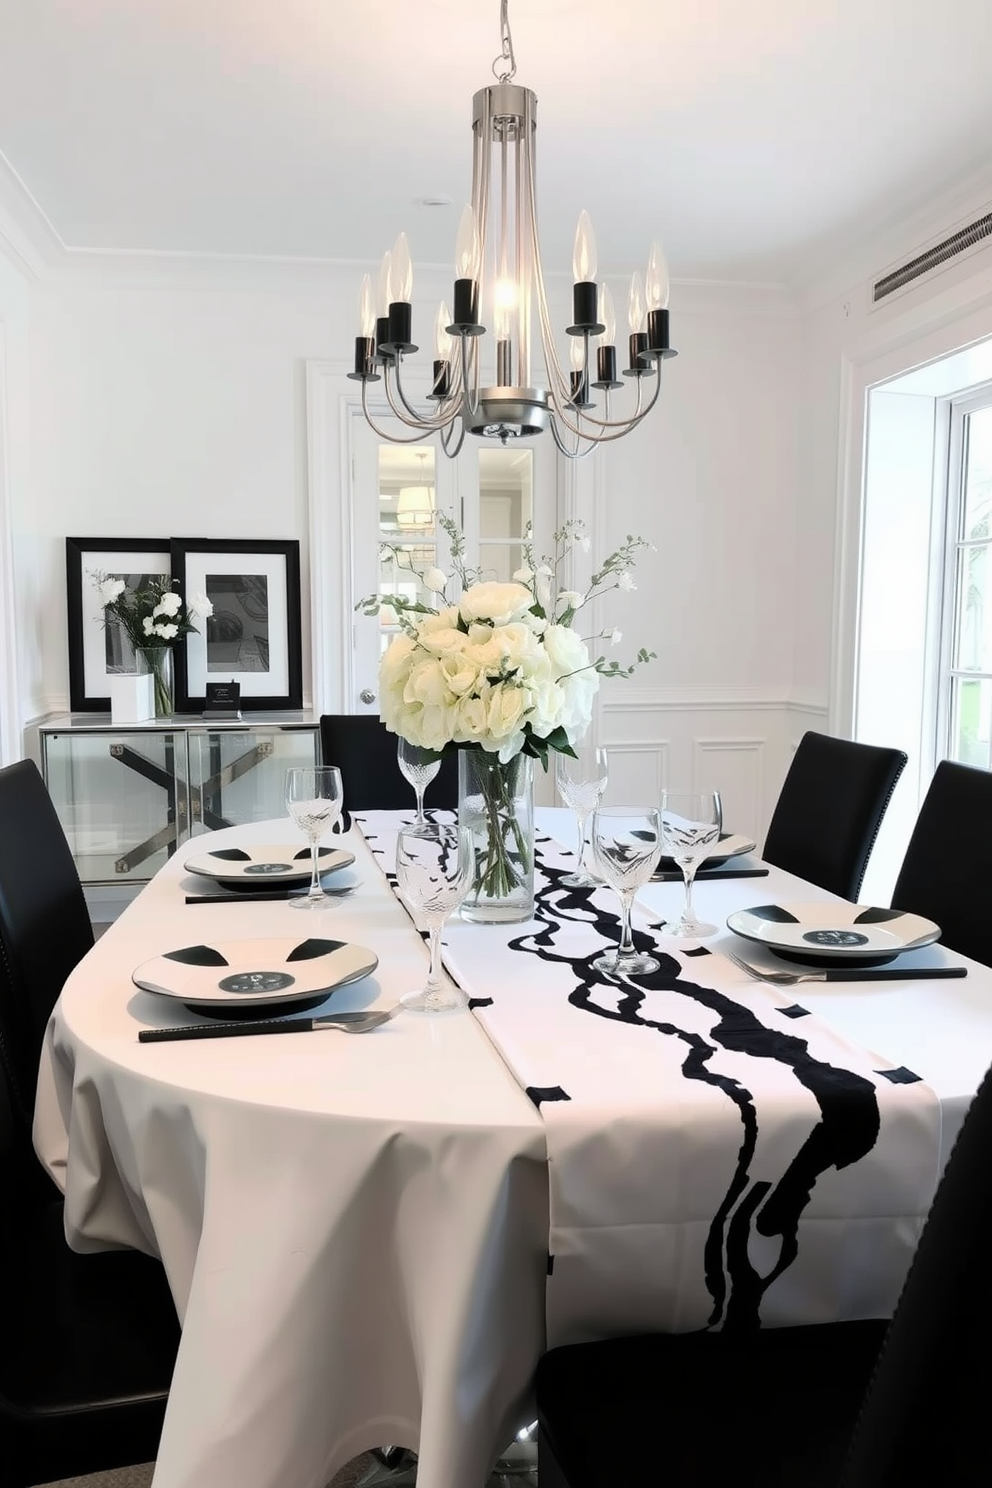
223, 700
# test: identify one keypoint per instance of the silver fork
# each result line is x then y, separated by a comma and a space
776, 978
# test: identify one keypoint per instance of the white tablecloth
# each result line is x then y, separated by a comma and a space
356, 1229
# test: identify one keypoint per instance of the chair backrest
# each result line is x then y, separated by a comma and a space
946, 873
924, 1419
45, 926
365, 752
829, 810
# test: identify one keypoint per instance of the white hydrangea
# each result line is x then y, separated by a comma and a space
169, 604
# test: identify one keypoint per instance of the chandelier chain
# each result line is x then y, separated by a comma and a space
506, 55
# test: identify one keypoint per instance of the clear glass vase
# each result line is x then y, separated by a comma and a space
496, 804
158, 661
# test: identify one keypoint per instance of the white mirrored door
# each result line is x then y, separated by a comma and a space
492, 494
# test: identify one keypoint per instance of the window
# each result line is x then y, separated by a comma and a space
964, 715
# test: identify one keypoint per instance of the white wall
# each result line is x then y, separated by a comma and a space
18, 659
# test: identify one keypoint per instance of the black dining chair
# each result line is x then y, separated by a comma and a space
829, 811
946, 872
87, 1342
365, 752
45, 928
831, 1405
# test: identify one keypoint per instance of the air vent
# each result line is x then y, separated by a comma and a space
959, 242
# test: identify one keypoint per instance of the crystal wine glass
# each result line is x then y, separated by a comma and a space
314, 798
581, 782
690, 824
434, 871
626, 845
419, 767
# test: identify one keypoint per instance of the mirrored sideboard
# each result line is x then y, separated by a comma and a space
129, 795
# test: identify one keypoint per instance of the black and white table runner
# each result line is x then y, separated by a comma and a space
718, 1157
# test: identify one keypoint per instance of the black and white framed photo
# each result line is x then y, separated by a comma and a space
98, 652
253, 635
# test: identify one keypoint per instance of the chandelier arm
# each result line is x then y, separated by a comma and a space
431, 421
412, 420
611, 428
446, 437
389, 438
470, 399
570, 454
559, 389
621, 429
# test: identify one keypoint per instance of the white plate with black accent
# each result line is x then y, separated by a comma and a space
259, 867
253, 978
726, 846
824, 932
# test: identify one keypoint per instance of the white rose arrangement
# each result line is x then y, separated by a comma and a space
501, 667
501, 670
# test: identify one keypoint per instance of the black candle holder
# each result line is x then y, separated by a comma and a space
606, 368
579, 398
584, 311
465, 320
400, 326
658, 347
442, 380
640, 362
364, 361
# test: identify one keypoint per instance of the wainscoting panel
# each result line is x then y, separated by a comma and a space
739, 742
637, 771
736, 768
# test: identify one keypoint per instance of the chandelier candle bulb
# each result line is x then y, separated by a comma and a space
584, 275
383, 291
366, 311
364, 341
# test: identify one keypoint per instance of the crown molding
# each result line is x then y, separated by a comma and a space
27, 237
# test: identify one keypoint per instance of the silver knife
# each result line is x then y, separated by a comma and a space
359, 1022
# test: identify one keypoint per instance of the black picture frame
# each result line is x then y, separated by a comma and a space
91, 658
254, 637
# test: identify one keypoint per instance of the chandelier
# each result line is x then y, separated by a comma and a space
415, 504
485, 386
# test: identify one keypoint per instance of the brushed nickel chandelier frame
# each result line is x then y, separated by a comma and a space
498, 268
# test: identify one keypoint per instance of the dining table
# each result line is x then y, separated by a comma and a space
372, 1239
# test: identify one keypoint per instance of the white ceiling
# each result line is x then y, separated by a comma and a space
754, 137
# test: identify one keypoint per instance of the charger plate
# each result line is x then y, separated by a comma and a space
726, 846
250, 978
825, 933
266, 864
